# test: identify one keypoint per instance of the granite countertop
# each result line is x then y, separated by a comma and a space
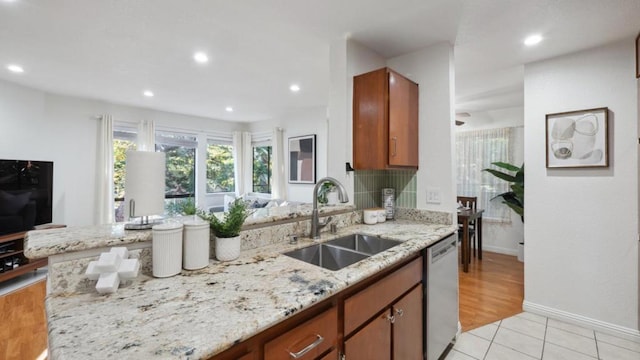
198, 314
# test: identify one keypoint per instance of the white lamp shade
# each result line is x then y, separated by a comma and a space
144, 183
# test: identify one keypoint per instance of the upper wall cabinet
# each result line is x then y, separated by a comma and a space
385, 121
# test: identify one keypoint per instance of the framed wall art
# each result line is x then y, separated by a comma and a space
638, 56
302, 159
578, 139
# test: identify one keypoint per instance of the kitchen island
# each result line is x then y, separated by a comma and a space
198, 314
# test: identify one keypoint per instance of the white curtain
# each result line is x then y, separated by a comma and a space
475, 151
278, 189
243, 161
105, 171
146, 135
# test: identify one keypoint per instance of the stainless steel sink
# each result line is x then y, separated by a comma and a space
342, 252
364, 243
326, 256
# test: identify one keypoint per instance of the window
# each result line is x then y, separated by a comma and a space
123, 141
476, 150
180, 174
262, 163
220, 167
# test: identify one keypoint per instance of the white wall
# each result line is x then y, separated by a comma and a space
307, 121
36, 125
432, 68
581, 234
501, 237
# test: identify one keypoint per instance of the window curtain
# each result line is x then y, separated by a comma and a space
278, 189
243, 161
105, 171
476, 150
146, 135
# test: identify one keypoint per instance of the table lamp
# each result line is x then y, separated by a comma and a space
144, 188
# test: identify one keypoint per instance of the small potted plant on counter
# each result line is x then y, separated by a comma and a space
227, 229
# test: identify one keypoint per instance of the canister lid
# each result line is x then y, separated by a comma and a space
167, 226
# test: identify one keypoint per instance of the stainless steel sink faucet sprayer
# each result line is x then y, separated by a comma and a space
316, 225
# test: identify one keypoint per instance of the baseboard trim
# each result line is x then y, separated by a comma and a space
605, 327
500, 250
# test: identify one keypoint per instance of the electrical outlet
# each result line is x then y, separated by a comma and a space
433, 195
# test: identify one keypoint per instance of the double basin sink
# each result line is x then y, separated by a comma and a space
342, 252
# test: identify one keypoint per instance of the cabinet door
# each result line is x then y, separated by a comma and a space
373, 342
403, 121
331, 356
407, 328
249, 356
370, 130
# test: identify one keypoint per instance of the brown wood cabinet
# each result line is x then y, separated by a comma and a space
395, 332
378, 318
385, 121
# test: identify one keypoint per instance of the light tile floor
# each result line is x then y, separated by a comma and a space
528, 336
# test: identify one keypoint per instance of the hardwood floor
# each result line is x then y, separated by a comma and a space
23, 326
492, 290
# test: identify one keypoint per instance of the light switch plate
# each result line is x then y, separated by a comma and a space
434, 195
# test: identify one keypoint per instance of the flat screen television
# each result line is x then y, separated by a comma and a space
26, 194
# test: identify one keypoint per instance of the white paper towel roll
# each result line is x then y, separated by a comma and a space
144, 183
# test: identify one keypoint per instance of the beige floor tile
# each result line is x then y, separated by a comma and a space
524, 326
571, 328
499, 352
485, 332
455, 355
572, 341
614, 340
519, 342
612, 352
472, 345
533, 317
555, 352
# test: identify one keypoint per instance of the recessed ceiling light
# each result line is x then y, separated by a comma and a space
200, 57
148, 93
229, 109
294, 87
15, 68
533, 39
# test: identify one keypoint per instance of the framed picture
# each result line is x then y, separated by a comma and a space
578, 139
302, 159
638, 56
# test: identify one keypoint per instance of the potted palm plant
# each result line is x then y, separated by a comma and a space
515, 197
227, 229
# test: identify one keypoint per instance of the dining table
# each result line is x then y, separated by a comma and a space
466, 216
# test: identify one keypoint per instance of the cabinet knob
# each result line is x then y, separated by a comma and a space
399, 312
395, 145
391, 318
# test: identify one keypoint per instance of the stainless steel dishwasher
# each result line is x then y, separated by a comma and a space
441, 290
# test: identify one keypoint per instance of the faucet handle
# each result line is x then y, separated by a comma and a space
326, 221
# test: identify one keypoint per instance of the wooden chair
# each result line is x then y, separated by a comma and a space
469, 202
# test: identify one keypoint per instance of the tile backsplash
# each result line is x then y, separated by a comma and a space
369, 185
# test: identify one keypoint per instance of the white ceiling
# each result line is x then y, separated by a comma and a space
114, 49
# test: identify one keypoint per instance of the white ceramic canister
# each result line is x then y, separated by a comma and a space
382, 215
370, 216
195, 245
166, 249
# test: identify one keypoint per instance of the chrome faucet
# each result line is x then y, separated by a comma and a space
316, 225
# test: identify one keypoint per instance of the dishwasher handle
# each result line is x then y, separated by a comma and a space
440, 250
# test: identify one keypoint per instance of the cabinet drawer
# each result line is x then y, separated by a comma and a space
321, 330
366, 303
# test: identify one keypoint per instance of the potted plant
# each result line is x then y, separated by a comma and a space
227, 229
515, 197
